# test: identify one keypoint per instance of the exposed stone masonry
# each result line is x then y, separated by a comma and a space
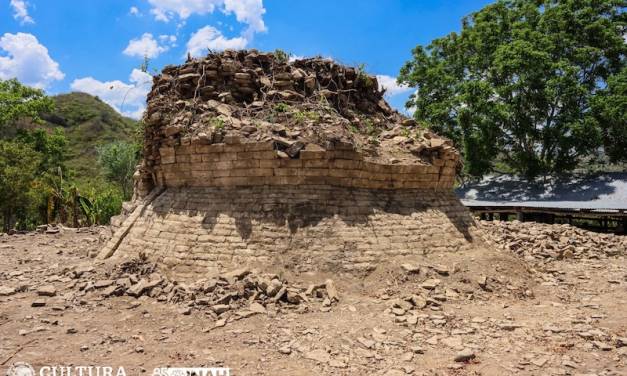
259, 164
252, 160
246, 105
304, 227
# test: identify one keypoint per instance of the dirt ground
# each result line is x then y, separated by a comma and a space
521, 317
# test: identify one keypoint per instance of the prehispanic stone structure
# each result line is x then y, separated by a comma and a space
253, 160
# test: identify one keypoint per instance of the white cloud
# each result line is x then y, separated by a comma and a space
249, 12
145, 46
293, 58
392, 87
28, 61
209, 37
165, 10
134, 11
129, 99
20, 11
167, 38
160, 15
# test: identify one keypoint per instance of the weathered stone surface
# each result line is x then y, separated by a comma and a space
246, 165
47, 290
410, 268
465, 355
220, 308
531, 239
103, 283
229, 83
6, 290
264, 222
318, 355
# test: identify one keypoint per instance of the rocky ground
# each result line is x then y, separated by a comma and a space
560, 310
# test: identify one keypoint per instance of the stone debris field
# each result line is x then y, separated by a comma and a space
429, 317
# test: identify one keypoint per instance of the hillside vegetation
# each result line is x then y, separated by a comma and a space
88, 122
64, 159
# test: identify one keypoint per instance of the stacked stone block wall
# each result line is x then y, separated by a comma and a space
258, 163
305, 227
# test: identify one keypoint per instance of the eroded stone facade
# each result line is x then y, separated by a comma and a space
320, 175
312, 227
249, 164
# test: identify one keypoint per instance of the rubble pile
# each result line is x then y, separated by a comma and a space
421, 288
244, 292
546, 242
258, 97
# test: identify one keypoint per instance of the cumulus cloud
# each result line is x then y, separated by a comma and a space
392, 87
246, 12
160, 15
249, 12
134, 11
20, 12
129, 99
165, 10
27, 60
145, 46
211, 38
167, 38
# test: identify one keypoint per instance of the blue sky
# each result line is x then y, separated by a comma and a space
97, 46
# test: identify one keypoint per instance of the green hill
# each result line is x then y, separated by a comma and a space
88, 122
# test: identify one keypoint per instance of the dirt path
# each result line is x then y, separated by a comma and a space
569, 319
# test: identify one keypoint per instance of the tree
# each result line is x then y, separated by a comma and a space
51, 191
52, 145
609, 109
118, 159
18, 166
19, 101
518, 85
32, 161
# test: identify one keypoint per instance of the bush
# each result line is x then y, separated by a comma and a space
100, 203
118, 160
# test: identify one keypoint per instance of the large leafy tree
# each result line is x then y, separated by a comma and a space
528, 84
32, 162
609, 107
32, 171
18, 101
18, 166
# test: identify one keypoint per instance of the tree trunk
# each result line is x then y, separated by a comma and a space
6, 226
